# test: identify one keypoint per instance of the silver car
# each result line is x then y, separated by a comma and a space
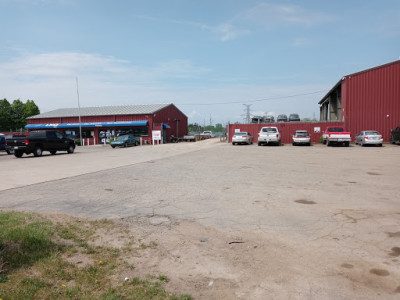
369, 137
242, 138
301, 137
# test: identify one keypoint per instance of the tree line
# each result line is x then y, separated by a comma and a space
195, 127
13, 115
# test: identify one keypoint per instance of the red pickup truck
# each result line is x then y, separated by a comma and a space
336, 135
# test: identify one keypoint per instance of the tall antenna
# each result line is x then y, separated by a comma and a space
79, 112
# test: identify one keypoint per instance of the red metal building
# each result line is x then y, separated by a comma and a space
100, 123
366, 100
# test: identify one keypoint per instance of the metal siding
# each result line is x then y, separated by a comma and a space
286, 129
371, 96
168, 115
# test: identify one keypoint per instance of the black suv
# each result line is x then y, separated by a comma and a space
395, 135
282, 118
294, 118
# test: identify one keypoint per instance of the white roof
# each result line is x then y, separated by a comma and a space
139, 109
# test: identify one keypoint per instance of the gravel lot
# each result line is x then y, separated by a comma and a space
243, 222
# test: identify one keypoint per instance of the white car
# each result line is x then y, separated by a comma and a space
369, 137
269, 135
301, 137
242, 138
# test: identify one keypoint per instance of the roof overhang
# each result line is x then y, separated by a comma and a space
331, 90
86, 125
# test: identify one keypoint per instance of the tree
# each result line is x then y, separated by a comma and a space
5, 115
30, 109
13, 116
18, 119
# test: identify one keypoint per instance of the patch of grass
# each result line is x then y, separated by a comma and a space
163, 278
24, 239
35, 263
151, 245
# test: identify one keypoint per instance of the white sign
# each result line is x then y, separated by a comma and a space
317, 129
156, 135
237, 130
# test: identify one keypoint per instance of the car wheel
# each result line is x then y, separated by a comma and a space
8, 152
112, 146
18, 153
380, 145
53, 152
347, 144
38, 152
71, 149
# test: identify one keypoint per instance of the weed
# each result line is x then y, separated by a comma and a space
163, 278
152, 245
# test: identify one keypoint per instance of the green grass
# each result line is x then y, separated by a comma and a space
34, 262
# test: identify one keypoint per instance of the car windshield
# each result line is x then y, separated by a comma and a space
372, 133
122, 138
241, 133
301, 133
335, 129
269, 129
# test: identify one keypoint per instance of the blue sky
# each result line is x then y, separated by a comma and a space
207, 57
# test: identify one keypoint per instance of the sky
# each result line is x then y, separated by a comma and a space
212, 59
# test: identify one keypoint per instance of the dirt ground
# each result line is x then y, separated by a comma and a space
232, 222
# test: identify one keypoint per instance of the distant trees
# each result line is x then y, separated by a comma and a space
194, 127
13, 115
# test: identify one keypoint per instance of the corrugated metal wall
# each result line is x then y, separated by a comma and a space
286, 129
169, 115
372, 100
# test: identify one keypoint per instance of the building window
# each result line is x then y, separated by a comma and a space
135, 131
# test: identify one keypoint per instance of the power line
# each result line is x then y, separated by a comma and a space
258, 100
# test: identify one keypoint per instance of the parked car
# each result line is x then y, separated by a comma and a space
42, 140
282, 118
336, 135
395, 135
2, 142
242, 138
269, 135
257, 120
369, 137
301, 137
125, 141
294, 118
269, 119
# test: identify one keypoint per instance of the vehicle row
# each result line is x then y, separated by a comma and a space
280, 119
333, 135
36, 142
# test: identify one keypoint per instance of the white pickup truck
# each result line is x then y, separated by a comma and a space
269, 135
336, 135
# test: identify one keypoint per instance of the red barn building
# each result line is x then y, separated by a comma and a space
366, 100
100, 123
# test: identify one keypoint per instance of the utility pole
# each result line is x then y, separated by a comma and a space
79, 113
247, 111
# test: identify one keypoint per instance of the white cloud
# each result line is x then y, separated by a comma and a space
50, 80
273, 15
